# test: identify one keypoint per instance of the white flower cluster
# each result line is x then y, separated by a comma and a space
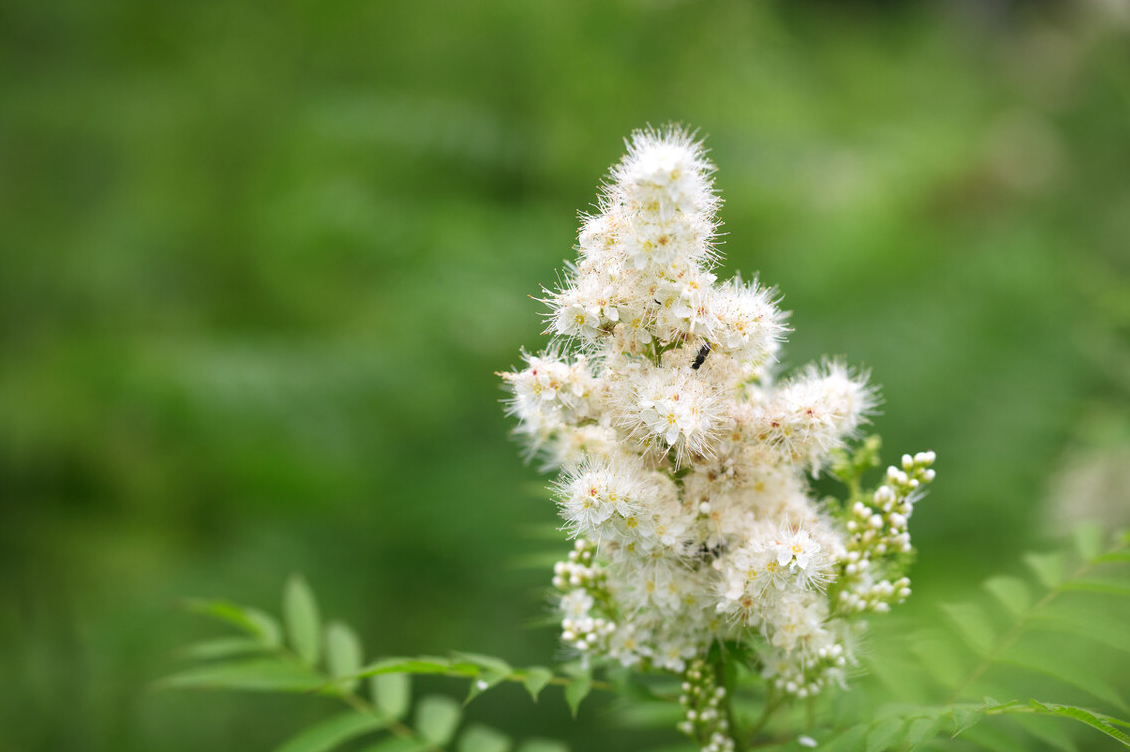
683, 464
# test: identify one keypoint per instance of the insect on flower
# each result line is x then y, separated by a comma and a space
701, 357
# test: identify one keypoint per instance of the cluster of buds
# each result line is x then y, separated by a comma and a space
703, 701
579, 570
878, 537
826, 665
580, 581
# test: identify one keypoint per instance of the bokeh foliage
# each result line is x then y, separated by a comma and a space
261, 260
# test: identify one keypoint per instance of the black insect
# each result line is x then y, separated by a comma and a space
706, 552
701, 357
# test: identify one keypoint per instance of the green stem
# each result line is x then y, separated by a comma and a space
363, 706
772, 702
725, 681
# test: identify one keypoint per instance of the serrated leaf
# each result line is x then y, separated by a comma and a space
576, 691
392, 694
1100, 723
1049, 730
437, 717
1092, 623
883, 734
422, 665
480, 738
482, 683
536, 679
488, 662
223, 647
972, 625
1107, 586
1067, 671
942, 658
303, 623
851, 740
254, 622
343, 654
1012, 592
920, 730
964, 717
890, 669
1048, 568
256, 674
1089, 539
333, 732
542, 745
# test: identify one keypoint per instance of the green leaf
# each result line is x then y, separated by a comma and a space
920, 730
1012, 592
883, 734
490, 663
964, 717
1048, 568
256, 674
576, 691
851, 740
1106, 586
654, 715
480, 738
422, 665
1089, 539
537, 677
303, 624
1092, 623
482, 683
1064, 669
398, 744
343, 654
254, 622
223, 647
392, 694
535, 744
973, 625
1113, 557
1049, 730
437, 718
1095, 721
987, 736
332, 732
939, 655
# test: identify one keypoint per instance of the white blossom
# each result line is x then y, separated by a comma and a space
685, 464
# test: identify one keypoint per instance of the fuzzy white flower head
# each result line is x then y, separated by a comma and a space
684, 463
816, 412
599, 489
676, 412
749, 325
664, 172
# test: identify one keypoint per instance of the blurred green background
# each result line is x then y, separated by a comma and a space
261, 261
